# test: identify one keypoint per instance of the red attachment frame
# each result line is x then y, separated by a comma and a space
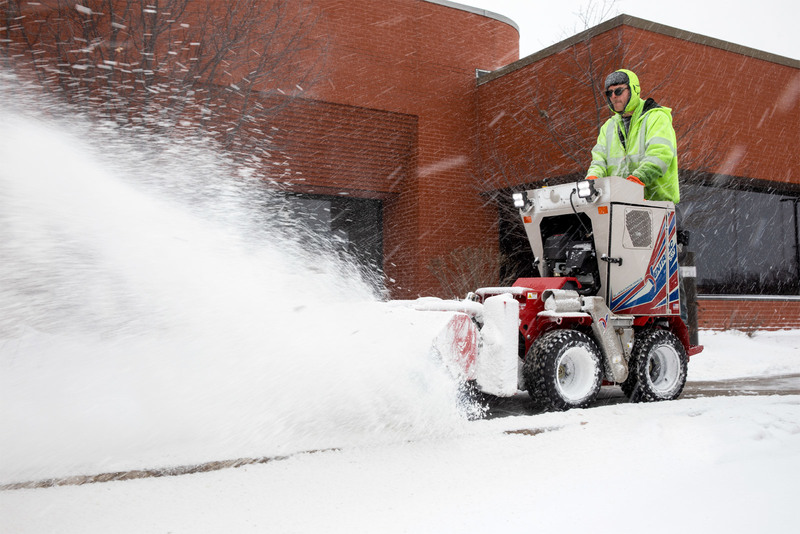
532, 325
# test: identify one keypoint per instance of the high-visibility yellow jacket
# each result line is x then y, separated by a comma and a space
647, 151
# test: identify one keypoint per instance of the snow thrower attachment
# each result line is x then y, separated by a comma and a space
476, 341
605, 307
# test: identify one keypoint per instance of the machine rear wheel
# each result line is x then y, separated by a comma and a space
658, 366
562, 370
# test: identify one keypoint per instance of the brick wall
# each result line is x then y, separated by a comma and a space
539, 121
419, 58
748, 313
735, 114
336, 149
547, 104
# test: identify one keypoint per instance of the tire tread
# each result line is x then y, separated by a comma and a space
540, 373
637, 386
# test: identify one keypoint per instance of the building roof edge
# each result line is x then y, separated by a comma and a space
477, 11
642, 24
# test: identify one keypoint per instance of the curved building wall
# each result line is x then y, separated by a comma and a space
419, 59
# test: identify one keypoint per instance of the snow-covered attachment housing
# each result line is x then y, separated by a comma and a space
605, 308
479, 341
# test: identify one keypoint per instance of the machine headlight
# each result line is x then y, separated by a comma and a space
520, 199
586, 189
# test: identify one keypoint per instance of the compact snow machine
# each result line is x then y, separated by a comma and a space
605, 308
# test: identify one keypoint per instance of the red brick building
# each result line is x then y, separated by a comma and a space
740, 174
403, 78
421, 119
466, 136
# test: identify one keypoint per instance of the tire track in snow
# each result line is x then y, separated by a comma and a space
80, 480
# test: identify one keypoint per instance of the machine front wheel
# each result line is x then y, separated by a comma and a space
563, 370
658, 366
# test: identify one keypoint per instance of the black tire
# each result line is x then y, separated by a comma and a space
563, 370
630, 383
474, 404
657, 369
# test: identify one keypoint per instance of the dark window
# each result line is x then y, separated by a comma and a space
744, 241
354, 226
515, 249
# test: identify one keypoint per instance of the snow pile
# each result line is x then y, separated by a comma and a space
734, 354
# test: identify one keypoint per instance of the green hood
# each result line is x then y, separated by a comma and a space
636, 92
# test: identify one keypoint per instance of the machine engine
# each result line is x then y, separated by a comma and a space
569, 251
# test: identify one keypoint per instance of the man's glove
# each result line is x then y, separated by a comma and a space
635, 180
591, 177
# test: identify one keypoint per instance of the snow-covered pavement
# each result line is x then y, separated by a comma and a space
721, 464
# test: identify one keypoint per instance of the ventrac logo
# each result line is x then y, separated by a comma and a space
657, 268
603, 321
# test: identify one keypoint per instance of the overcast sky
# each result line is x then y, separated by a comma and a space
768, 25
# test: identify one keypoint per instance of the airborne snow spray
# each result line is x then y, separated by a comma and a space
158, 308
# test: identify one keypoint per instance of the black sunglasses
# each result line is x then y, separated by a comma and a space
618, 91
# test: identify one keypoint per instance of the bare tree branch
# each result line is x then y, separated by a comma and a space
174, 66
564, 129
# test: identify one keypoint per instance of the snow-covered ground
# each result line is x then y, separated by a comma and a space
737, 355
721, 464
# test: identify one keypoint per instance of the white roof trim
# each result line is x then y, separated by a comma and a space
477, 11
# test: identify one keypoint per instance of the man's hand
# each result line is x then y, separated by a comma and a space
591, 177
635, 180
